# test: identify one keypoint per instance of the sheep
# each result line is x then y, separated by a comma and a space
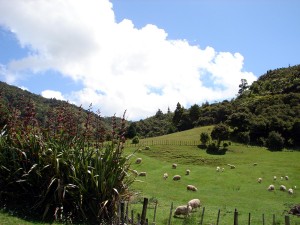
187, 172
291, 191
191, 188
138, 160
194, 203
232, 166
223, 169
281, 178
166, 176
259, 180
177, 177
282, 188
271, 187
254, 164
174, 166
182, 210
286, 177
142, 174
218, 169
274, 178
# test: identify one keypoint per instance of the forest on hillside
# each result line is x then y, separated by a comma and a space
270, 104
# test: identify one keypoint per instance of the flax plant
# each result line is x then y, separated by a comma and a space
63, 171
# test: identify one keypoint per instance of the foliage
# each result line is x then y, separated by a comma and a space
275, 141
135, 140
204, 138
220, 133
63, 169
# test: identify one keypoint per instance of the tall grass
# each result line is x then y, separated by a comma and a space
65, 172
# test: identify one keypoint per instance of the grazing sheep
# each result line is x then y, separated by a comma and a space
295, 187
177, 177
223, 169
187, 172
286, 177
166, 176
174, 166
142, 174
271, 187
274, 178
182, 210
194, 203
291, 191
259, 180
232, 166
138, 160
218, 169
282, 188
281, 178
191, 188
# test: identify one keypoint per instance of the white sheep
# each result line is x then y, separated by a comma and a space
274, 178
281, 178
142, 174
174, 166
282, 188
286, 177
259, 180
271, 187
218, 169
138, 160
194, 203
191, 188
182, 210
166, 176
177, 177
187, 172
223, 169
232, 166
291, 191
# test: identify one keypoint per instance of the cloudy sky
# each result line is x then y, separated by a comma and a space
144, 55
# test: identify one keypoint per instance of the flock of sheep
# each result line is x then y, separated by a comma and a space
281, 187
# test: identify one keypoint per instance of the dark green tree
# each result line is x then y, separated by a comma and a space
275, 142
194, 113
220, 133
204, 138
131, 130
177, 114
135, 140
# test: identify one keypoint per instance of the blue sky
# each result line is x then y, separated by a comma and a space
142, 55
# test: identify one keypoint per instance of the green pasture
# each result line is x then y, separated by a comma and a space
229, 190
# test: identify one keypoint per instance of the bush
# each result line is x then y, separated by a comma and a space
63, 170
275, 142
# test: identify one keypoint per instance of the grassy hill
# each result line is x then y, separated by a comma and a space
229, 190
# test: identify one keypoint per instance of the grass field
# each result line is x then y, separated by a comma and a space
229, 190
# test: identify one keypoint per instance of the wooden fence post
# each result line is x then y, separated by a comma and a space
138, 219
169, 222
287, 220
132, 217
154, 216
235, 219
144, 212
122, 213
274, 219
202, 216
249, 218
126, 213
218, 217
263, 219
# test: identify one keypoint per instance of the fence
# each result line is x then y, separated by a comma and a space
163, 142
141, 219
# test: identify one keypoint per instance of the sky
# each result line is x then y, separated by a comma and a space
144, 55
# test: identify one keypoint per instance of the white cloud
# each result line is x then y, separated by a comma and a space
52, 94
121, 67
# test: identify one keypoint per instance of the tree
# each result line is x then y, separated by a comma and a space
220, 133
131, 131
177, 114
194, 113
135, 140
275, 141
243, 86
204, 138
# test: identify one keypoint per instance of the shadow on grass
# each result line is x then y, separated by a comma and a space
221, 151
